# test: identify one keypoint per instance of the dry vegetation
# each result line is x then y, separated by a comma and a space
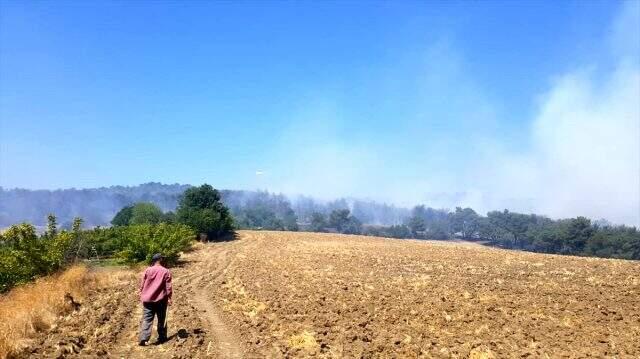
34, 308
283, 294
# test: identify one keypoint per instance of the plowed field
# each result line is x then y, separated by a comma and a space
283, 294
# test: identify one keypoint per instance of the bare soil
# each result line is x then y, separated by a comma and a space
284, 294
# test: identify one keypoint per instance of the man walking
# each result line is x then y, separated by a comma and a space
155, 294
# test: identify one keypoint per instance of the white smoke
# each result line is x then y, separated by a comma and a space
585, 154
580, 156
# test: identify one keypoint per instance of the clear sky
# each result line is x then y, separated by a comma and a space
526, 105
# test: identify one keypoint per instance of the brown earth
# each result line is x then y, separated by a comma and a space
284, 294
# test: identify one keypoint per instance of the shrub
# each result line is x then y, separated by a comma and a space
24, 256
139, 242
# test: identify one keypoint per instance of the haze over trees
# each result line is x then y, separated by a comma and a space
216, 212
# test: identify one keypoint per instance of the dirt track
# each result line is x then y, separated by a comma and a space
279, 294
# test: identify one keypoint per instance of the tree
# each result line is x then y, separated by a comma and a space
344, 222
465, 222
429, 223
260, 217
146, 213
170, 217
290, 220
547, 238
416, 226
489, 231
399, 231
515, 224
52, 226
338, 219
318, 222
77, 224
201, 209
437, 230
353, 226
578, 234
123, 217
78, 241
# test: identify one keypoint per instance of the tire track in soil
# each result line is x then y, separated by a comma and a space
124, 340
181, 316
194, 283
216, 261
108, 324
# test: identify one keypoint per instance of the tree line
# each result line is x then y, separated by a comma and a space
575, 236
97, 206
138, 231
530, 232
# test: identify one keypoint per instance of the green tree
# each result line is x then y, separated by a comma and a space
260, 217
434, 221
202, 209
488, 231
290, 220
52, 226
515, 224
338, 219
123, 217
416, 226
437, 230
399, 231
146, 213
344, 222
77, 224
465, 222
78, 248
354, 226
318, 222
578, 234
170, 217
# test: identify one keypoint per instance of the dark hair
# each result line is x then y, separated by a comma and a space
156, 257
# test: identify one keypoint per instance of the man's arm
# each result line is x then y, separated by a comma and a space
168, 287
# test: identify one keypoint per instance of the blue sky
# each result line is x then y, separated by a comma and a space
398, 101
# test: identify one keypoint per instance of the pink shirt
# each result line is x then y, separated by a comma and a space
156, 284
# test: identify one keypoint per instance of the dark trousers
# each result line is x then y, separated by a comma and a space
150, 310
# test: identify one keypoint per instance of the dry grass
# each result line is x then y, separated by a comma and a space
305, 340
33, 308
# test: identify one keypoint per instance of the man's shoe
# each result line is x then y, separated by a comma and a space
142, 343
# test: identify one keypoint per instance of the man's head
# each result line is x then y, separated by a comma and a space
156, 259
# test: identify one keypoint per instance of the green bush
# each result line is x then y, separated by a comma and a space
100, 243
24, 255
139, 243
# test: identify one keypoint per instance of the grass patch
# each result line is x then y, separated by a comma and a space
104, 263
